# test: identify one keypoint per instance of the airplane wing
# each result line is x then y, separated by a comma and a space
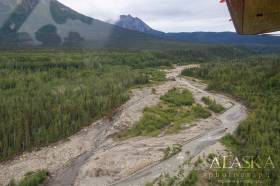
255, 16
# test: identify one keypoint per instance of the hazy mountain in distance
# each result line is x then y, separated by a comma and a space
225, 38
50, 23
134, 23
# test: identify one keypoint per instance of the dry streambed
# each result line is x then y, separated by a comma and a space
139, 160
193, 140
92, 157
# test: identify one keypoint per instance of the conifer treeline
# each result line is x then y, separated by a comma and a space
255, 80
46, 95
44, 99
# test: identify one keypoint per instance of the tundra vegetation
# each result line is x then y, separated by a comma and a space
256, 81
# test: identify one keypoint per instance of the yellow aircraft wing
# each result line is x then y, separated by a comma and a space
255, 16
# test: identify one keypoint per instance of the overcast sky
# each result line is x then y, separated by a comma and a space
164, 15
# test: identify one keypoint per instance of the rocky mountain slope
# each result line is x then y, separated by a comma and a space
134, 23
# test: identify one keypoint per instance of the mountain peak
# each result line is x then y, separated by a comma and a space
136, 24
126, 16
133, 23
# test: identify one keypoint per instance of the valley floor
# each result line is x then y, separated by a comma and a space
93, 157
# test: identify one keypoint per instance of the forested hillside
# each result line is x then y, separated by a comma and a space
255, 80
47, 95
46, 98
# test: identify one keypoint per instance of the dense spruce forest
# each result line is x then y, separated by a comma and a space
43, 100
256, 81
47, 95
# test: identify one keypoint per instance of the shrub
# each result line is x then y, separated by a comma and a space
171, 151
178, 97
200, 112
190, 180
32, 178
212, 105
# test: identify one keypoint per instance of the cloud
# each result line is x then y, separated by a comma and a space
165, 15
